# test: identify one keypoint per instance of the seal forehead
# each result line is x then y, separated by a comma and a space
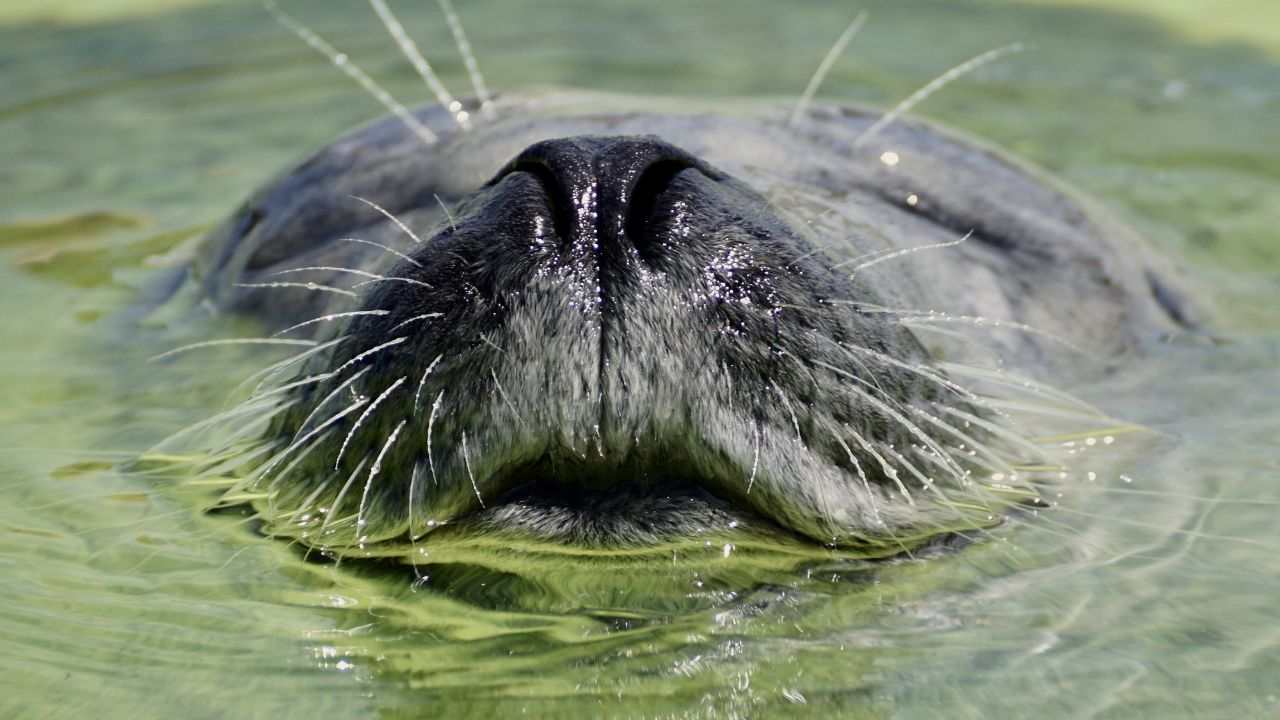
749, 136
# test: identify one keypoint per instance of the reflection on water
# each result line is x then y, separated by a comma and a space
1146, 591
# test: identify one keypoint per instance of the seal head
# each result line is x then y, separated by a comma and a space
616, 327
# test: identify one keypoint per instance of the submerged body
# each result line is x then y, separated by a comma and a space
609, 320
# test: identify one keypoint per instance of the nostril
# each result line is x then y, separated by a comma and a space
643, 203
559, 201
603, 191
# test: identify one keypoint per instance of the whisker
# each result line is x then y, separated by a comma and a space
332, 394
875, 258
417, 395
979, 448
919, 370
466, 460
407, 281
1017, 382
311, 499
279, 478
917, 321
329, 318
415, 318
431, 423
842, 42
390, 216
862, 475
414, 483
468, 58
367, 353
269, 371
795, 422
410, 50
993, 428
337, 500
353, 71
453, 225
379, 245
231, 341
363, 416
885, 408
300, 441
888, 470
931, 87
234, 412
505, 398
330, 268
299, 285
373, 473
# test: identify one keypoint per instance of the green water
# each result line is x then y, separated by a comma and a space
1153, 591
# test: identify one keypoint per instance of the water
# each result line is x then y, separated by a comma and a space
1149, 591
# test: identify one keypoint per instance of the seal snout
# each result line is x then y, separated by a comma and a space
607, 321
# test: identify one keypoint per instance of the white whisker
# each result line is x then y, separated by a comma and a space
299, 442
466, 460
931, 87
468, 58
343, 63
875, 258
906, 423
415, 318
505, 398
1023, 384
862, 475
795, 422
431, 423
388, 215
269, 371
815, 82
415, 476
995, 429
325, 401
329, 268
888, 470
453, 225
407, 281
337, 501
411, 52
329, 318
379, 245
417, 395
364, 416
300, 285
373, 473
238, 410
230, 341
362, 356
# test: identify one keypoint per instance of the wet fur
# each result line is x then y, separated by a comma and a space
834, 417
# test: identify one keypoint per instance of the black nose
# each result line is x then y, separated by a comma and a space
604, 190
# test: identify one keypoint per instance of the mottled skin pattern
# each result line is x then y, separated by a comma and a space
627, 319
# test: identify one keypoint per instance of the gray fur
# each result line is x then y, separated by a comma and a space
720, 363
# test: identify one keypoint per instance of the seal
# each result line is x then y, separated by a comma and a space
609, 320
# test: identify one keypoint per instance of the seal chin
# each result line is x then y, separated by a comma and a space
613, 342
